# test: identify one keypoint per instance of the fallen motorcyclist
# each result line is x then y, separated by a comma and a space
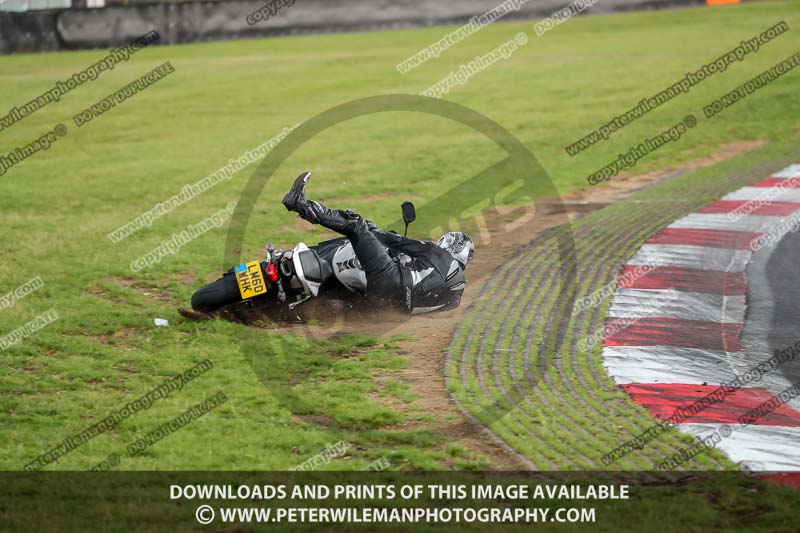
413, 275
381, 266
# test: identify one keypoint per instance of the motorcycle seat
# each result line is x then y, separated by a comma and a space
314, 268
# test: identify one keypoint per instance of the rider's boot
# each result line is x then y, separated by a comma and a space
316, 213
295, 199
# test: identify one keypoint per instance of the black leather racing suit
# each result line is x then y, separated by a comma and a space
413, 275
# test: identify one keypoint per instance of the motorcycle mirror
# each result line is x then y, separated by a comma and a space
409, 214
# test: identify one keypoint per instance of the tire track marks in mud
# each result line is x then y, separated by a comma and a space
506, 310
597, 269
567, 370
514, 362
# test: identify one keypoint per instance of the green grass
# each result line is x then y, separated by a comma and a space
225, 98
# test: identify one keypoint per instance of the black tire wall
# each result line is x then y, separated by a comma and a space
185, 22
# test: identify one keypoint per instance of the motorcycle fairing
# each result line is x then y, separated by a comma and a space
348, 270
311, 287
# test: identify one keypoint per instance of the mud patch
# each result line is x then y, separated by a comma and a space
184, 278
98, 292
154, 293
116, 339
627, 183
125, 282
322, 421
147, 290
129, 368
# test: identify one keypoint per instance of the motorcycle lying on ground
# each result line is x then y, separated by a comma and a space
287, 278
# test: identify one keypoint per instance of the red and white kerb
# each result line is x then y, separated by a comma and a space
690, 311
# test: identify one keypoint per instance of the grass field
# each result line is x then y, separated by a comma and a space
57, 207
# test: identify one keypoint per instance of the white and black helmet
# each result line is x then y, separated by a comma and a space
459, 245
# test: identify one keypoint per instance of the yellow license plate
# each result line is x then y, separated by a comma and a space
250, 279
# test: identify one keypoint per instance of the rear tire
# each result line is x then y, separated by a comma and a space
220, 293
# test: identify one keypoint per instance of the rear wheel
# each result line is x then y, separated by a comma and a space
220, 293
